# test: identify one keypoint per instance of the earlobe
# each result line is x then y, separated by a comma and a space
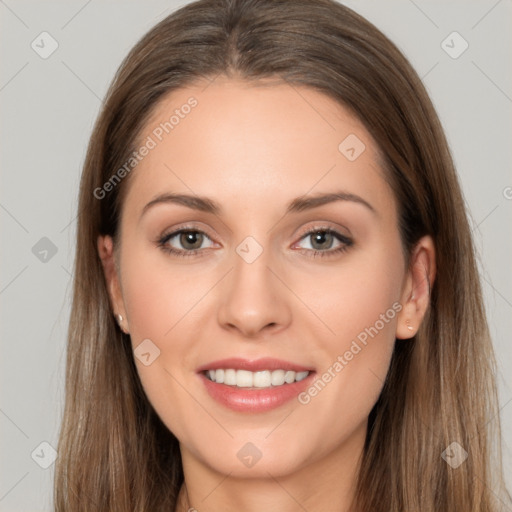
417, 288
107, 255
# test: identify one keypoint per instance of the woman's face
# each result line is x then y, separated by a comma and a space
274, 273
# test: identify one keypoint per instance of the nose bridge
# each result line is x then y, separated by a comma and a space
252, 298
251, 266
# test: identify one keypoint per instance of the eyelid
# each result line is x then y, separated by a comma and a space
192, 226
325, 226
343, 239
186, 226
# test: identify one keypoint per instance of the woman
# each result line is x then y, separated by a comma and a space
258, 369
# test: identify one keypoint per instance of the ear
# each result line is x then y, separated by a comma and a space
111, 272
416, 290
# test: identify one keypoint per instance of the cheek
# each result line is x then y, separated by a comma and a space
359, 304
161, 303
360, 293
159, 306
155, 293
150, 306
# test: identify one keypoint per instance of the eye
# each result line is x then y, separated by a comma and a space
190, 240
322, 240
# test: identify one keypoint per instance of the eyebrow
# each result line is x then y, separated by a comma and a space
299, 204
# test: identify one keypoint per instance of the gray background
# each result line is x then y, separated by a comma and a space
48, 109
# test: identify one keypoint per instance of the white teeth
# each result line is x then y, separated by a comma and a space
278, 378
243, 378
289, 377
260, 379
230, 377
301, 376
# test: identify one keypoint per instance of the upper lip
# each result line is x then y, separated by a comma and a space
255, 365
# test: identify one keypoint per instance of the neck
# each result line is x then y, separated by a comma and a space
327, 483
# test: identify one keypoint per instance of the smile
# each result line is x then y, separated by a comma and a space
256, 380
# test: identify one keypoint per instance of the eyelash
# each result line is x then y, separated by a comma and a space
313, 253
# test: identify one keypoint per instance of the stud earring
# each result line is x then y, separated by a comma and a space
119, 319
409, 326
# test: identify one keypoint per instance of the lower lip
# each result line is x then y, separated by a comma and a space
255, 400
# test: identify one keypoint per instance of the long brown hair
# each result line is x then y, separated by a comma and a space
115, 454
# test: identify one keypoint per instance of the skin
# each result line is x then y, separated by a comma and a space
253, 148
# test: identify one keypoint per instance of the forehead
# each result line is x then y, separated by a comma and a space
254, 144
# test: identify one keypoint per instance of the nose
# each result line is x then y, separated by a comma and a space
254, 300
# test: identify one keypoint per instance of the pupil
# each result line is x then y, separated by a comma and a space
317, 237
195, 240
191, 237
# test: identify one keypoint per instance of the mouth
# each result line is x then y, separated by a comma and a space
254, 386
254, 380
